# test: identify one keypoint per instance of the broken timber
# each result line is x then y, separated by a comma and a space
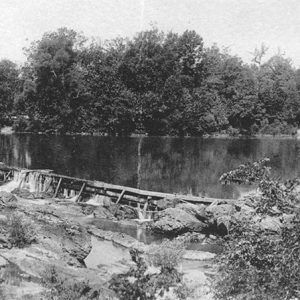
84, 189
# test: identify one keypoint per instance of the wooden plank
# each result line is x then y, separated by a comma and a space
48, 186
121, 196
57, 188
7, 176
81, 190
119, 199
134, 192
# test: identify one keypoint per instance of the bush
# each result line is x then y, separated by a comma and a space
167, 255
278, 127
20, 231
62, 288
257, 263
138, 283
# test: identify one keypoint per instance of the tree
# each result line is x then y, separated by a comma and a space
50, 73
277, 90
8, 89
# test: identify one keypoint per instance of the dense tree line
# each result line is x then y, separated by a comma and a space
155, 83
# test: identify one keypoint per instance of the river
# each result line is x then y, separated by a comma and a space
178, 165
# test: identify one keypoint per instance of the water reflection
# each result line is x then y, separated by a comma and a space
190, 165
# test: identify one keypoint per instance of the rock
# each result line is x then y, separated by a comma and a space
166, 203
23, 193
198, 255
126, 212
270, 223
102, 213
176, 220
220, 216
219, 210
199, 211
7, 198
78, 243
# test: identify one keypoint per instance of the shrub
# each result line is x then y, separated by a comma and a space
257, 263
20, 231
166, 255
62, 288
140, 284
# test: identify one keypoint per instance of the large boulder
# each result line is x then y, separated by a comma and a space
175, 221
167, 203
220, 216
198, 211
216, 210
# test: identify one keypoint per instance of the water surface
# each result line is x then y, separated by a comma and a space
177, 165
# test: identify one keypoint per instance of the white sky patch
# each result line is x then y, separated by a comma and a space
240, 25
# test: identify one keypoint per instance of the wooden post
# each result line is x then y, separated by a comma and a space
80, 192
6, 176
48, 185
57, 188
119, 199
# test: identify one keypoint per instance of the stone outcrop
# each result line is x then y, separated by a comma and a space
177, 220
77, 243
198, 211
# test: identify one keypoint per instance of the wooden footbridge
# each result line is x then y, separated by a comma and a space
82, 189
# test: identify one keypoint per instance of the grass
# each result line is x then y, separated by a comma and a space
20, 231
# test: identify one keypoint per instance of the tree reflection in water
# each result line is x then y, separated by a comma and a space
178, 165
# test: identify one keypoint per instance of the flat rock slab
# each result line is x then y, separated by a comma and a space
198, 255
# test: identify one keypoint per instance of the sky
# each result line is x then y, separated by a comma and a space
240, 25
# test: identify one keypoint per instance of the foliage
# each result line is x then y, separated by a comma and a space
259, 263
63, 288
8, 89
20, 231
166, 255
247, 173
156, 83
141, 284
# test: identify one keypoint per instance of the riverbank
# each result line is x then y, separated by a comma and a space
65, 240
296, 135
51, 245
7, 130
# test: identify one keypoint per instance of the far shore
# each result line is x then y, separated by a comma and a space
7, 130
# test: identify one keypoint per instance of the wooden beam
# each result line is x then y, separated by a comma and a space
49, 184
80, 192
6, 176
131, 193
119, 199
57, 188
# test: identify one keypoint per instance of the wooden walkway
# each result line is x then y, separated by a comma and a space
84, 189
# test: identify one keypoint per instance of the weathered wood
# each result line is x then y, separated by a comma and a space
6, 176
116, 191
49, 185
57, 188
119, 199
80, 192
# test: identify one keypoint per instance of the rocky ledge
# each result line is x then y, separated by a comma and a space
215, 218
44, 242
